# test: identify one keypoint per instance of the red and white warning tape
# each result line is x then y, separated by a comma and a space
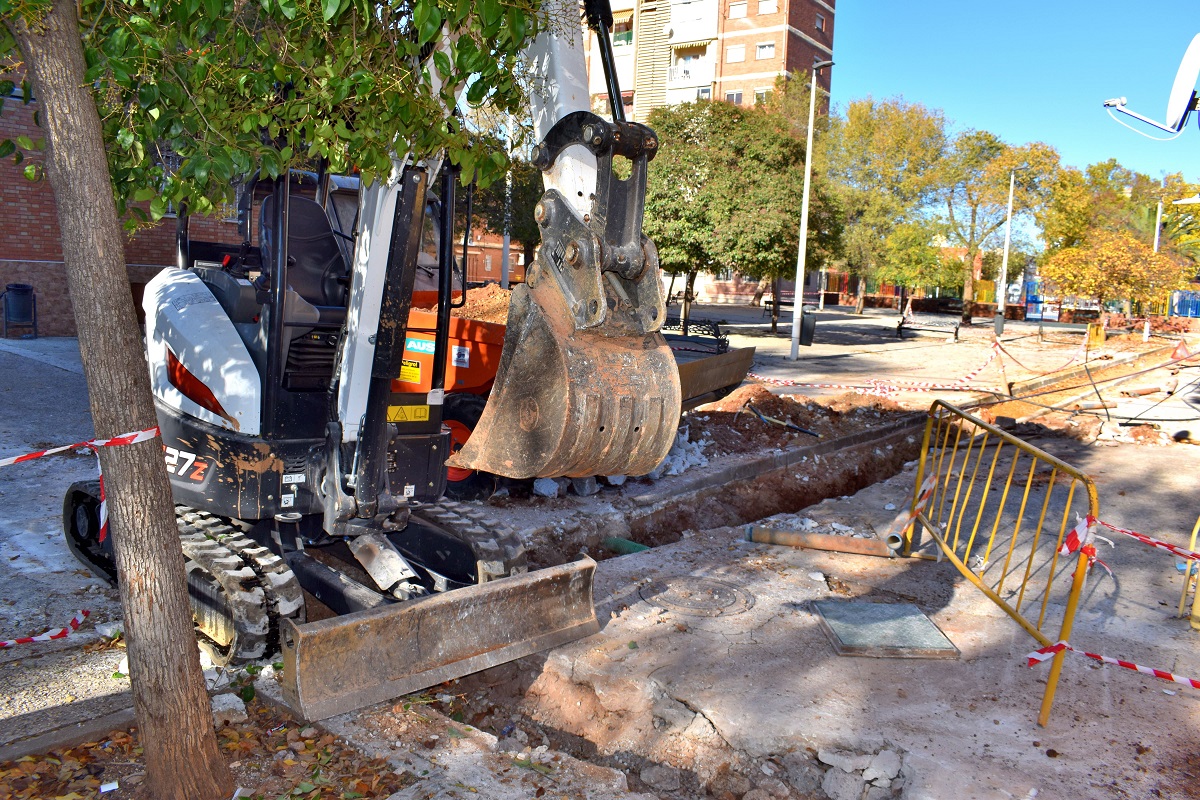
61, 633
1083, 538
1079, 351
1144, 539
1046, 653
94, 445
882, 388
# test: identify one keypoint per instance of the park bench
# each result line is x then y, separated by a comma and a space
912, 322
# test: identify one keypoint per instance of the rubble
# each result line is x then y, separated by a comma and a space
227, 709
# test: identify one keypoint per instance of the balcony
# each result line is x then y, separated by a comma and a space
693, 73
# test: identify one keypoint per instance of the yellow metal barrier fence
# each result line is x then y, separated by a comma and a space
999, 511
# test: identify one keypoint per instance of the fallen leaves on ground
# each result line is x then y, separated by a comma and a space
271, 754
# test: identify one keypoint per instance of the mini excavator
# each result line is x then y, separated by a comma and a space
298, 463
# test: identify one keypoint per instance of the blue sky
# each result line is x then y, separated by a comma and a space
1028, 71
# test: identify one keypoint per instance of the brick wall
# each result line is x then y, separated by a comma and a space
31, 244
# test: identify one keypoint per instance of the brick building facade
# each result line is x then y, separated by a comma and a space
31, 243
675, 51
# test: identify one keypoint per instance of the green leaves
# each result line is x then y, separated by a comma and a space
193, 95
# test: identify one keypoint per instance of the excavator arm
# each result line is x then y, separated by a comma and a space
586, 386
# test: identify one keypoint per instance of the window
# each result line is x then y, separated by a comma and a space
737, 10
764, 50
821, 22
768, 6
733, 97
487, 263
704, 94
735, 53
622, 34
760, 95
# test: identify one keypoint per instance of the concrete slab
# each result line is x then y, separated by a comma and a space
762, 689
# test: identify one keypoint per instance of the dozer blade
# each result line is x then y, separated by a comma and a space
340, 664
574, 403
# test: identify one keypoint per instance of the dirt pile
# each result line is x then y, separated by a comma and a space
488, 304
731, 425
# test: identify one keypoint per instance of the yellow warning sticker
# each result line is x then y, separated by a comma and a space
410, 371
408, 414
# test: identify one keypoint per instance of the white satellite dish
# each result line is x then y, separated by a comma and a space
1180, 102
1183, 93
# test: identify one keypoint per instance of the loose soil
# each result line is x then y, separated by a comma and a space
488, 304
731, 426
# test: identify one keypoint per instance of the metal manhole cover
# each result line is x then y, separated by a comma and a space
697, 597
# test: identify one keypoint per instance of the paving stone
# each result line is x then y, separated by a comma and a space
841, 785
662, 777
885, 764
773, 786
803, 774
226, 709
844, 760
585, 487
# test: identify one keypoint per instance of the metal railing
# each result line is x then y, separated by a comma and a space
1000, 510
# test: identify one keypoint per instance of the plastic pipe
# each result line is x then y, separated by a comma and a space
821, 541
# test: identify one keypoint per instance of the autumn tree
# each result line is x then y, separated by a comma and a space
881, 161
1114, 264
166, 102
1109, 197
974, 183
913, 257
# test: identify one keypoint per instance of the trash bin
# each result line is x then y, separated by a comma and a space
20, 307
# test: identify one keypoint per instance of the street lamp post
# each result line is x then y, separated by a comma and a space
1002, 288
798, 304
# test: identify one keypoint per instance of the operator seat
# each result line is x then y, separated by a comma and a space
317, 270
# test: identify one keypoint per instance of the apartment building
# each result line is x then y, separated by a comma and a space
675, 51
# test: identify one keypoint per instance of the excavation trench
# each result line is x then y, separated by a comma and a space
664, 742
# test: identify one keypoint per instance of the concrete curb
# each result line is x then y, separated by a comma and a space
70, 735
1059, 377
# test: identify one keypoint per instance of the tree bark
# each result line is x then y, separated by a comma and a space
968, 296
759, 291
778, 290
685, 313
172, 707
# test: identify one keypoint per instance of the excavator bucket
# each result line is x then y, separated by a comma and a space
574, 402
343, 663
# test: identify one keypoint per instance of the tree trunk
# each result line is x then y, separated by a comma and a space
172, 707
778, 290
968, 296
860, 301
759, 291
685, 314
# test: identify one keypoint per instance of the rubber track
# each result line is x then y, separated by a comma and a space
498, 549
280, 585
241, 589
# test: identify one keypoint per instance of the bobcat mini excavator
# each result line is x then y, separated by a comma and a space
297, 465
